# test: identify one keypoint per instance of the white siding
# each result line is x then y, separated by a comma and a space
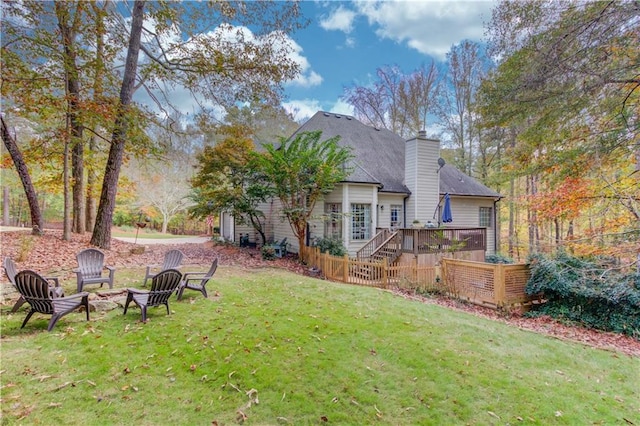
421, 177
384, 209
466, 213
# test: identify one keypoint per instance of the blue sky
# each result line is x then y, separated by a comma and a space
347, 41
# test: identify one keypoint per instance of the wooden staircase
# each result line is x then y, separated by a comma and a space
385, 245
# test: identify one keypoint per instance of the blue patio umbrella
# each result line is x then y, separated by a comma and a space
446, 211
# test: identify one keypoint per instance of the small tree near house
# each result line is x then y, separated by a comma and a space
228, 179
302, 170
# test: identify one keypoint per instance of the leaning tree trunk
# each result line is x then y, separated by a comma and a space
37, 224
101, 236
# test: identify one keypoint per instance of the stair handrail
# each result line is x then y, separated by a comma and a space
397, 251
367, 250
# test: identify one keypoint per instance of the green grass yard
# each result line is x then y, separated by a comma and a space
276, 348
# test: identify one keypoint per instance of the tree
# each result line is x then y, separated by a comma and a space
101, 236
163, 184
223, 66
303, 169
53, 58
69, 26
457, 102
568, 80
37, 224
395, 101
227, 179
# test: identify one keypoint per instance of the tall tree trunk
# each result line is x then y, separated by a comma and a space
92, 181
66, 221
92, 176
511, 216
75, 128
6, 217
101, 236
37, 223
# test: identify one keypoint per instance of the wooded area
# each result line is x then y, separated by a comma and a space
546, 112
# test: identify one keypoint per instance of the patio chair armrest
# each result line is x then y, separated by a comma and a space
189, 275
112, 271
73, 296
136, 291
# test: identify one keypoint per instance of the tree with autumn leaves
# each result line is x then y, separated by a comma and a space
205, 48
567, 90
235, 177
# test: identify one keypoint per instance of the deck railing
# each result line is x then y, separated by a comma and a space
492, 285
428, 240
439, 240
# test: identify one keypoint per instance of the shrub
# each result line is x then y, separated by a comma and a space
498, 258
586, 291
268, 253
333, 246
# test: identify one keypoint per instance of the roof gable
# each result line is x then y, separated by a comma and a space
378, 153
379, 156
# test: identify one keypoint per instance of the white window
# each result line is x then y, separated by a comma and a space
485, 216
396, 215
333, 221
360, 221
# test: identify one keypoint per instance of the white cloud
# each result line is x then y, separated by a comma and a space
307, 77
430, 27
339, 19
341, 107
301, 110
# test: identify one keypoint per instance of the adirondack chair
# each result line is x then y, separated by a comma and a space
280, 248
35, 290
10, 271
163, 285
197, 280
172, 260
90, 268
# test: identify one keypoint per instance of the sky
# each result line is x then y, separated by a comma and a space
347, 41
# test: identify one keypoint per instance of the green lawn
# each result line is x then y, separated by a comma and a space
277, 348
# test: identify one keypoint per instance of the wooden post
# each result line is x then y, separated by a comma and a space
499, 285
385, 271
444, 284
345, 274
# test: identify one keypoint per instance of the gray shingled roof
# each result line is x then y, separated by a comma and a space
455, 182
379, 156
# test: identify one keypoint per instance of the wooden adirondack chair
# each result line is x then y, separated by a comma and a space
36, 292
197, 280
10, 271
90, 268
172, 260
163, 285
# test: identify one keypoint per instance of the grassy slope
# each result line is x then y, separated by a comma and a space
286, 349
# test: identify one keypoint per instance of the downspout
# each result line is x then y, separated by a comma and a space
495, 226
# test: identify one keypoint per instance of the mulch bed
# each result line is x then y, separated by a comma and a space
49, 253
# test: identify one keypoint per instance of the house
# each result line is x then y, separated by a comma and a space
393, 183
